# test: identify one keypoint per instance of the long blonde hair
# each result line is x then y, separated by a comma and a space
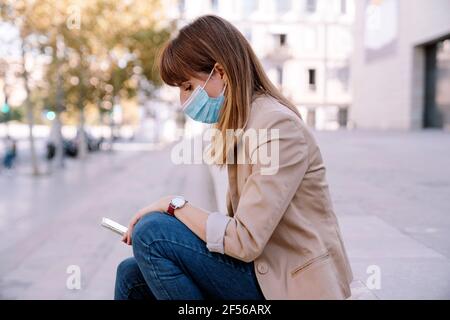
197, 48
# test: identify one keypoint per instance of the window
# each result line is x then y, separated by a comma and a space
280, 39
248, 34
214, 5
283, 6
311, 6
280, 75
343, 6
312, 79
341, 75
181, 5
249, 6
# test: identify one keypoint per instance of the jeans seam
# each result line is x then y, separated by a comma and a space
193, 249
155, 274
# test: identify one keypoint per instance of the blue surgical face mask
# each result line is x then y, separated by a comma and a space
201, 107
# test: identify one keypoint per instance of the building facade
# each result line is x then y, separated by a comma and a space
304, 45
401, 64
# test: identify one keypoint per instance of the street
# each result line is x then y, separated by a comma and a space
390, 193
53, 222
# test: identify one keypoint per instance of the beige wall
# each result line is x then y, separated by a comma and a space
388, 90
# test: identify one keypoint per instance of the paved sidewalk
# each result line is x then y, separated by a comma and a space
390, 192
50, 223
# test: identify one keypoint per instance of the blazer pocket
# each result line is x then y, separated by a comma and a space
309, 263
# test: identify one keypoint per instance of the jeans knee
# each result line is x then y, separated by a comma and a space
126, 268
150, 227
127, 273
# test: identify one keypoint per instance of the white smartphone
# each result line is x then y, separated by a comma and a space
114, 226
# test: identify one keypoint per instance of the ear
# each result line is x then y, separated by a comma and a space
219, 69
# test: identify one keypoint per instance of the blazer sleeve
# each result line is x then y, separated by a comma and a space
267, 194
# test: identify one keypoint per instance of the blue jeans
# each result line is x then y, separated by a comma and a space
171, 263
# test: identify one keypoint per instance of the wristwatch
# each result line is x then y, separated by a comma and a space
176, 203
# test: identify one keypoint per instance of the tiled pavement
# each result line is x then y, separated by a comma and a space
390, 192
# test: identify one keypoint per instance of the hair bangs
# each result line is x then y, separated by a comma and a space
172, 68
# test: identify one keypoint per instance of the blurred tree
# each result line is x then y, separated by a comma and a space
6, 112
99, 51
127, 36
19, 14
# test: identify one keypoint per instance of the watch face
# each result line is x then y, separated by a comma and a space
178, 202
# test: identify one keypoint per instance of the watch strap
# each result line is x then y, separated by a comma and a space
171, 209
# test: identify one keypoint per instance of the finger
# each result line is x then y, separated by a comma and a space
129, 236
133, 222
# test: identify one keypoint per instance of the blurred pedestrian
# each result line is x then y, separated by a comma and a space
10, 152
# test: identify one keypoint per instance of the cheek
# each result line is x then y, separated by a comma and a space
214, 89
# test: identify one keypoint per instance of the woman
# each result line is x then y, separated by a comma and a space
280, 238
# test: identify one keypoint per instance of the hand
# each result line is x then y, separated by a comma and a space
160, 205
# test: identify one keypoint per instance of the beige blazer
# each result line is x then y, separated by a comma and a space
285, 222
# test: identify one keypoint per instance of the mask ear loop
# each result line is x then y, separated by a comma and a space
223, 90
209, 77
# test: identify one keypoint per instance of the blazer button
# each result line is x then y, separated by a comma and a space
262, 268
